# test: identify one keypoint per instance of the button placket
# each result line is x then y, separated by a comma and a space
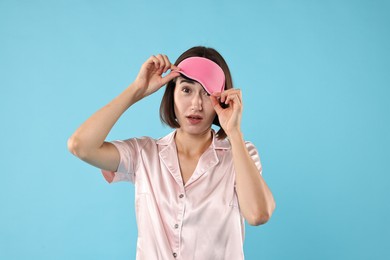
179, 220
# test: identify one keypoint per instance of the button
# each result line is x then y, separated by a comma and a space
177, 225
181, 196
174, 255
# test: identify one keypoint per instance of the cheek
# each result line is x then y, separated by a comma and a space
175, 110
210, 112
181, 103
180, 106
208, 106
176, 103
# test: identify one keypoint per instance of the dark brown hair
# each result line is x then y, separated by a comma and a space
167, 112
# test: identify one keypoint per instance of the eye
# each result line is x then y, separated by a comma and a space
186, 90
205, 93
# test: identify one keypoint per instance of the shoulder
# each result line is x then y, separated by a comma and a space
251, 148
139, 141
254, 154
250, 145
147, 142
166, 140
134, 144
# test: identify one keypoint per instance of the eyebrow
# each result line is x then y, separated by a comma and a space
187, 81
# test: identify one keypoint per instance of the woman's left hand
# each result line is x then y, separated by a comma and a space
230, 117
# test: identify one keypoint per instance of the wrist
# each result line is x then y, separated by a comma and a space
236, 140
132, 94
235, 134
235, 130
137, 90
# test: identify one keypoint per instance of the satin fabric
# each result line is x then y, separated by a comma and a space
199, 220
208, 73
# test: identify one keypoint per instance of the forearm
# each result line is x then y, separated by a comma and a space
255, 198
92, 133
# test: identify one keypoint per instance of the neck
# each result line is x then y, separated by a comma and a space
192, 145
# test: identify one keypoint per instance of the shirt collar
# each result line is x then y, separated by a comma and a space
216, 143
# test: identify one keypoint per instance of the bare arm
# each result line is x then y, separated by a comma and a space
255, 198
88, 141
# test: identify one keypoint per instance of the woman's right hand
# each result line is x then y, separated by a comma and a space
88, 141
150, 79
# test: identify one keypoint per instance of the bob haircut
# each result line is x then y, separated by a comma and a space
167, 112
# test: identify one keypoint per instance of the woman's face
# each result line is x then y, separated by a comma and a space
193, 108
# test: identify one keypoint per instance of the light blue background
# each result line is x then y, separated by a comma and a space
315, 80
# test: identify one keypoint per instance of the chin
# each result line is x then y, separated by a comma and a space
195, 130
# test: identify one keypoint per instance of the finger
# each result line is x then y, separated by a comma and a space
169, 77
162, 62
237, 100
237, 104
150, 62
217, 96
239, 94
155, 61
167, 63
233, 98
174, 67
228, 99
226, 93
223, 97
216, 105
233, 92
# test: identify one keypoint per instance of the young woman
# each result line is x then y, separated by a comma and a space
194, 187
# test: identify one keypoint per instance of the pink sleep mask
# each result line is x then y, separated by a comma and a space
208, 73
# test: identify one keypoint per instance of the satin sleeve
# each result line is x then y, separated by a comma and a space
129, 158
254, 155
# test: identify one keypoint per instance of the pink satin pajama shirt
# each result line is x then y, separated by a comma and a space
199, 220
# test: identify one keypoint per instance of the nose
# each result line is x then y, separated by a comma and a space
197, 102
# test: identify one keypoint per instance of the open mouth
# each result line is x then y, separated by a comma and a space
194, 117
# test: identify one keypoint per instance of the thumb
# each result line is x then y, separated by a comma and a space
169, 77
216, 105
